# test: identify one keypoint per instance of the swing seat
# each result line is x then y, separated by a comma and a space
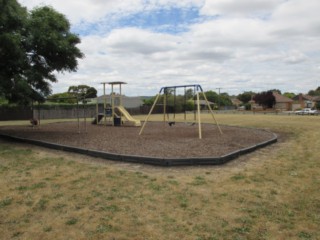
171, 123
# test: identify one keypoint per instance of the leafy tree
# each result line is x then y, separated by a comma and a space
245, 97
149, 101
315, 92
221, 100
82, 91
289, 95
265, 99
225, 99
33, 46
189, 93
212, 96
190, 105
275, 90
62, 98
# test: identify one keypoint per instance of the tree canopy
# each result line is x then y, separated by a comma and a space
265, 99
315, 92
33, 46
220, 100
83, 91
245, 97
289, 94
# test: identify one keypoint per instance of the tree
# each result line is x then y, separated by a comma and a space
225, 100
315, 92
265, 99
62, 98
82, 91
222, 100
33, 46
275, 90
149, 101
189, 93
212, 96
245, 97
289, 95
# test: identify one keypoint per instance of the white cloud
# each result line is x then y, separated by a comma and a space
132, 40
238, 8
297, 17
295, 57
237, 45
232, 32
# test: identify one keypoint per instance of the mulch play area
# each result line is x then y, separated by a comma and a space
158, 140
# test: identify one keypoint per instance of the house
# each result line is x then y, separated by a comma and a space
282, 103
305, 101
236, 102
204, 104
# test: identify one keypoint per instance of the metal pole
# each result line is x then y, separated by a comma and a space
164, 105
218, 98
120, 101
147, 118
39, 114
78, 115
84, 115
194, 104
104, 104
205, 97
97, 110
174, 105
185, 105
199, 117
112, 105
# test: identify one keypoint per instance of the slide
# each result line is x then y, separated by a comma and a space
127, 115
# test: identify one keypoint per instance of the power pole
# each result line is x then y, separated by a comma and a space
219, 97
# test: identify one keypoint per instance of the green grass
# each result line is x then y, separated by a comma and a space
270, 194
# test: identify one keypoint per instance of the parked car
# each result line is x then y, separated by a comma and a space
307, 111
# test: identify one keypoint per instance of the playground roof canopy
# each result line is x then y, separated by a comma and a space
115, 83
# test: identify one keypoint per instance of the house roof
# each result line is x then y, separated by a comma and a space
305, 97
316, 98
281, 99
204, 102
236, 101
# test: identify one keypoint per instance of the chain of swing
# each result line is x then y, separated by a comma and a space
174, 107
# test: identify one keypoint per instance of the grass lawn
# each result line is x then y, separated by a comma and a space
269, 194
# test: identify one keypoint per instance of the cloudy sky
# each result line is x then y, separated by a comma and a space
235, 45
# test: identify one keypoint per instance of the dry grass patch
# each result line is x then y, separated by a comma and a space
270, 194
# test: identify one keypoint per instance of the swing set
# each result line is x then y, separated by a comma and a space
165, 92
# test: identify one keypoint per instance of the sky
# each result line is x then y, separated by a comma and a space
224, 45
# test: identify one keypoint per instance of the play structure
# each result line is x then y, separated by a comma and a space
171, 91
114, 113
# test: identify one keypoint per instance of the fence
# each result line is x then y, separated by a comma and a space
56, 112
64, 113
15, 113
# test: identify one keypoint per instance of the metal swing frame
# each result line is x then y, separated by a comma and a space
197, 90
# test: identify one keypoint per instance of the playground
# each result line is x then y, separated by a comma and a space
158, 140
174, 139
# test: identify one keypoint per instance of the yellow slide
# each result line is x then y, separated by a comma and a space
124, 112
